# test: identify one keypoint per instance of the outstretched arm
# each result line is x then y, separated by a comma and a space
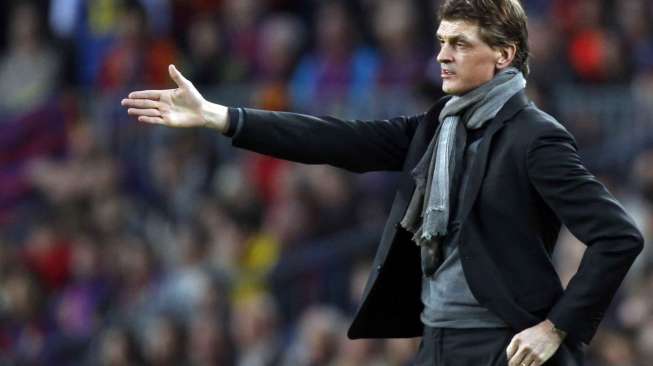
354, 145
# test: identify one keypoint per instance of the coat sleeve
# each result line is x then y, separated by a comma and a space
593, 215
354, 145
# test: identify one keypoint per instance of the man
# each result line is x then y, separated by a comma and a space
487, 180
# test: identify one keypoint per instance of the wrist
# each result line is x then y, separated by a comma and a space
559, 332
214, 116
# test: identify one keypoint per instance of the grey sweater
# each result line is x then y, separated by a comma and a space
448, 301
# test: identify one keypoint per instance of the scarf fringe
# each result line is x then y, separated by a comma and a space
435, 224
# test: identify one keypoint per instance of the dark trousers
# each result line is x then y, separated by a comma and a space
478, 347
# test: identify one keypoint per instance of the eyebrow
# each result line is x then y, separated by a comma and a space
454, 38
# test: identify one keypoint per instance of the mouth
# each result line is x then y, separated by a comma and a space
446, 74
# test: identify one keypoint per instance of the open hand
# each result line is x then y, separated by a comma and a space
180, 107
535, 345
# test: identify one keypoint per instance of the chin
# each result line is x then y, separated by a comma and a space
454, 89
450, 89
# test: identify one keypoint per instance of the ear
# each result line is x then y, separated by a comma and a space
505, 56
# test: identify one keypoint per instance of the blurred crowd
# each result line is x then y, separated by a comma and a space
128, 244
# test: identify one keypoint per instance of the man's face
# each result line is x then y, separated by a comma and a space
466, 61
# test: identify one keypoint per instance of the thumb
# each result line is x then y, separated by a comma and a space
177, 77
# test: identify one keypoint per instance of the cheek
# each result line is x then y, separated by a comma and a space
478, 71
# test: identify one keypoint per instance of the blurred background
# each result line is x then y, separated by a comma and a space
130, 244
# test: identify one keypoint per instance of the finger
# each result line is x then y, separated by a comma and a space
537, 362
512, 347
178, 78
146, 94
140, 103
529, 360
154, 120
519, 357
144, 112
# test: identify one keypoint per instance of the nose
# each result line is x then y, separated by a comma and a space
444, 55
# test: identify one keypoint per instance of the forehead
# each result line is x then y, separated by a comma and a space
458, 28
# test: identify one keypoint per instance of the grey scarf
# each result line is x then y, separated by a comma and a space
427, 216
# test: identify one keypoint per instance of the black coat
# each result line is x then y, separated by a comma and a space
526, 180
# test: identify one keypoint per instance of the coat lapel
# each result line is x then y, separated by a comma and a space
425, 133
477, 173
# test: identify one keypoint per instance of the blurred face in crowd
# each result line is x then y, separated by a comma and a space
465, 59
24, 25
333, 28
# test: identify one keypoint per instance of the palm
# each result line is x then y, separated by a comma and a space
180, 107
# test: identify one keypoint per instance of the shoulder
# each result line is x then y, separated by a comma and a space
534, 119
532, 124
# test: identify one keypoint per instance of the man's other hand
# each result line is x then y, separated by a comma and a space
180, 107
535, 345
